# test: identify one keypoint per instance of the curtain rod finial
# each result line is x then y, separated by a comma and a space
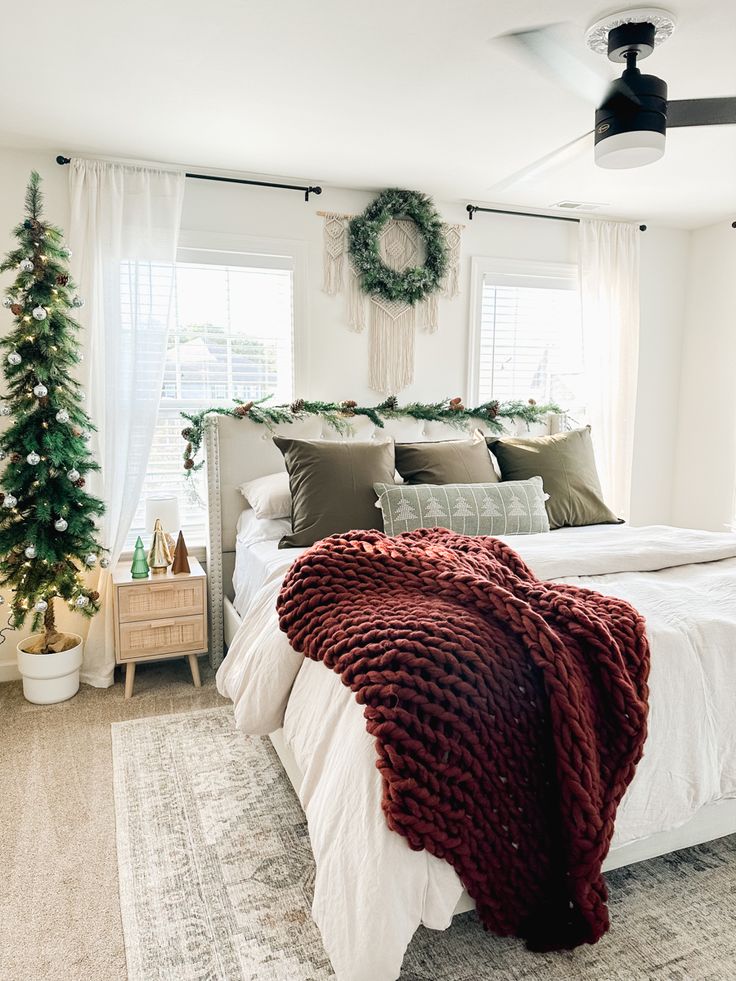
642, 228
63, 160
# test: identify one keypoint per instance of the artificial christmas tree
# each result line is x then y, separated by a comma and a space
48, 535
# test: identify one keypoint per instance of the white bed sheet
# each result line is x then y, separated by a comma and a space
369, 883
253, 564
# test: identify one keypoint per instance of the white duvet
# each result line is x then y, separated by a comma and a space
371, 890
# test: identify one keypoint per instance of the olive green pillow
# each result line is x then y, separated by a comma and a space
449, 461
332, 486
566, 464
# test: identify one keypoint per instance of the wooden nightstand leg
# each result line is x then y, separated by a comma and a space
129, 678
194, 666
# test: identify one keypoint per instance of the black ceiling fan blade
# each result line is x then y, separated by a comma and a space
701, 112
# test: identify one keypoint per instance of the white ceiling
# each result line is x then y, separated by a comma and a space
392, 92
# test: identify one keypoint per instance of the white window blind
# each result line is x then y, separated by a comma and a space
232, 338
530, 340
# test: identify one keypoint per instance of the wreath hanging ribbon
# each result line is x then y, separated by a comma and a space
416, 282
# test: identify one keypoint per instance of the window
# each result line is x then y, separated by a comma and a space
231, 337
528, 334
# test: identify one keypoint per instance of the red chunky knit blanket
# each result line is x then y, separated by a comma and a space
509, 713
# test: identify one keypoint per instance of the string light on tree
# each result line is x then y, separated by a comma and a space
42, 567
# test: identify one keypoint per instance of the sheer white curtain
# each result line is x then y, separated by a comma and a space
124, 231
609, 290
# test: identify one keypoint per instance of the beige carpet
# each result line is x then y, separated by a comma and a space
60, 918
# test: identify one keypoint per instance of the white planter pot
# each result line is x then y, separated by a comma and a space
49, 678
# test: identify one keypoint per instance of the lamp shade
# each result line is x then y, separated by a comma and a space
165, 507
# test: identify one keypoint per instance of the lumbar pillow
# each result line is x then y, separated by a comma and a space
515, 507
269, 496
449, 461
566, 464
332, 485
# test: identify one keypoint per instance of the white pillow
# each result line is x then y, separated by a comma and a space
269, 496
251, 529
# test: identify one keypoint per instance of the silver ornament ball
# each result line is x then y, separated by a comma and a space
90, 559
4, 410
33, 458
41, 606
77, 301
31, 552
26, 265
82, 396
2, 600
86, 437
39, 313
3, 454
7, 302
73, 475
40, 390
62, 416
61, 525
81, 601
10, 501
104, 563
14, 358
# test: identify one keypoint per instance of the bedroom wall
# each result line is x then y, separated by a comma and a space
334, 359
705, 472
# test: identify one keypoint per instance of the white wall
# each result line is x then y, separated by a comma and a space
334, 360
705, 474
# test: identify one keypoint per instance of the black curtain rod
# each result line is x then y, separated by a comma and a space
235, 180
472, 208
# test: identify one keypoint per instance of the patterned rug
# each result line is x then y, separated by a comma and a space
216, 878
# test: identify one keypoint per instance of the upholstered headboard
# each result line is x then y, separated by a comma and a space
237, 450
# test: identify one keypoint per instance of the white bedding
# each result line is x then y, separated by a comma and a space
369, 883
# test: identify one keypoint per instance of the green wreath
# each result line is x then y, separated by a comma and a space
416, 282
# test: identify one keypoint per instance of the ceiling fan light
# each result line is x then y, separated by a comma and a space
621, 151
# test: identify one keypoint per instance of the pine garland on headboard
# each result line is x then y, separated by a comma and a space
339, 414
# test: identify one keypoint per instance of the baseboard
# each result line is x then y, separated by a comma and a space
9, 671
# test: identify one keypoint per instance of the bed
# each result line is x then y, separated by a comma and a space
684, 791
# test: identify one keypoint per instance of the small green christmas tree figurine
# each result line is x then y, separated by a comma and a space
139, 568
48, 535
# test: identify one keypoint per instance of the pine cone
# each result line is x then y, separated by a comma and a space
2, 497
94, 595
349, 404
62, 280
187, 433
189, 448
15, 457
532, 401
391, 403
493, 410
455, 401
244, 409
188, 464
297, 406
16, 309
79, 483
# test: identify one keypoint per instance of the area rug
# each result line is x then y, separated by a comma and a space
216, 878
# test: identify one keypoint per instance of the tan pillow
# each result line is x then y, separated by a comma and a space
450, 461
332, 486
566, 464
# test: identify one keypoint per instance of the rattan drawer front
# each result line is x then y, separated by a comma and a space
167, 599
157, 638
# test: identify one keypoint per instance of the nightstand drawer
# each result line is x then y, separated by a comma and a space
157, 638
153, 600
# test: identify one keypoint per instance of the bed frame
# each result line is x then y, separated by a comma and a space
238, 450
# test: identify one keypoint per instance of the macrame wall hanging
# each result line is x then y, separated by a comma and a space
419, 246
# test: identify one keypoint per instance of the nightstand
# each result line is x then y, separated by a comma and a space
159, 618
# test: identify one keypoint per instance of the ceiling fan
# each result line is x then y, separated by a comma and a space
633, 112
